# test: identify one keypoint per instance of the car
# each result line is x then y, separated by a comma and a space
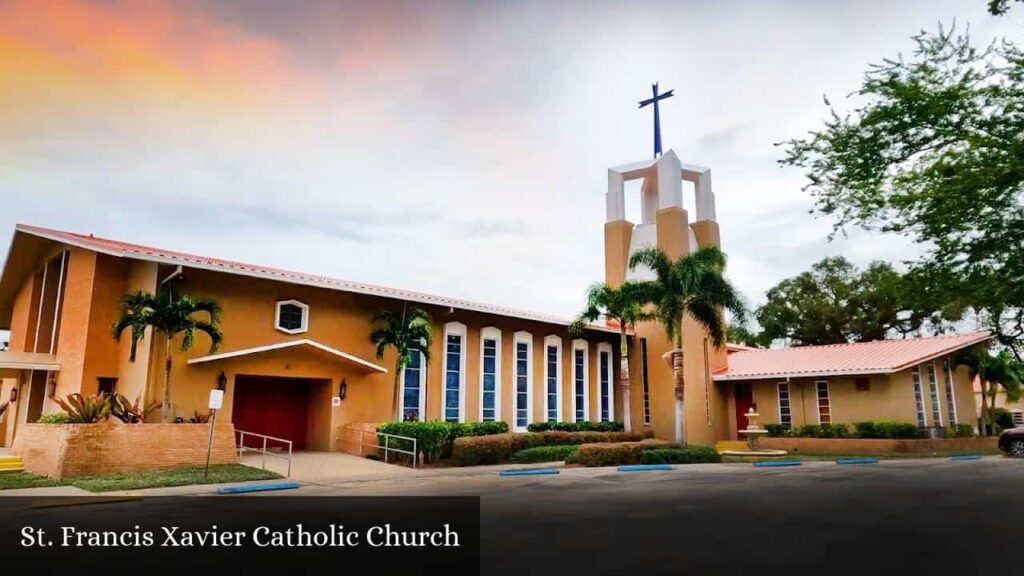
1012, 442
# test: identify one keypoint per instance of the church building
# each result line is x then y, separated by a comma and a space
296, 360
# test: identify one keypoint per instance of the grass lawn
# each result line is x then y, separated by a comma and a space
219, 473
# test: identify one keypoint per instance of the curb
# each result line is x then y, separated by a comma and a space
644, 467
965, 457
857, 461
777, 463
258, 487
529, 472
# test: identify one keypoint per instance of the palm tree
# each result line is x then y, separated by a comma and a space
693, 285
992, 371
170, 314
407, 331
625, 305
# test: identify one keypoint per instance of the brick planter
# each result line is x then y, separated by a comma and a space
865, 446
69, 450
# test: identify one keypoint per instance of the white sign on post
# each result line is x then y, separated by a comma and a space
216, 399
335, 401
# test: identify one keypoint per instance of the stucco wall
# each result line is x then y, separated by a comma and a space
71, 450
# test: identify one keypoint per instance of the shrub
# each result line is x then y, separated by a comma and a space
777, 430
688, 455
434, 438
1002, 418
197, 418
617, 454
128, 412
866, 430
54, 418
809, 431
835, 431
498, 448
586, 426
431, 436
545, 453
960, 431
85, 409
899, 430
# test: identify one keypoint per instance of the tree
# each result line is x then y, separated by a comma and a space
694, 286
834, 302
993, 371
407, 332
745, 335
1000, 7
623, 305
933, 151
169, 314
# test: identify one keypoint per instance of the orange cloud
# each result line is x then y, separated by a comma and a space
67, 57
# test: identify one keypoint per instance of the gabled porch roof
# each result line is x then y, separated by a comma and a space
366, 364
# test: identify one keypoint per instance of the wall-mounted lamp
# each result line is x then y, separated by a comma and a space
222, 382
51, 386
14, 395
342, 389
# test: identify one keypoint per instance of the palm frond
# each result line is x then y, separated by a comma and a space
653, 258
710, 317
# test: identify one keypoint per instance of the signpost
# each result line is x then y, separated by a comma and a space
216, 401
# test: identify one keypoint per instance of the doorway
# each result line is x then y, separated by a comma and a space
273, 406
744, 395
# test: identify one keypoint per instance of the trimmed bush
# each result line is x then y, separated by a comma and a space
498, 448
544, 453
576, 427
434, 438
866, 430
777, 430
688, 455
835, 431
617, 454
960, 431
809, 431
1002, 418
898, 430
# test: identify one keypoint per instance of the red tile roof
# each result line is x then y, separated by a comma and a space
160, 255
878, 357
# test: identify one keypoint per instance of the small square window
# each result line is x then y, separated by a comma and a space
106, 385
291, 317
863, 384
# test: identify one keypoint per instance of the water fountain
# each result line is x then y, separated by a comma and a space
753, 432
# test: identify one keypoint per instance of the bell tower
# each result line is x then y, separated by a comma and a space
665, 224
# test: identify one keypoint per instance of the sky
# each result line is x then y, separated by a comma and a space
445, 147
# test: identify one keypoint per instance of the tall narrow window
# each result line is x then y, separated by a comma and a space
644, 382
412, 389
524, 379
604, 382
553, 377
785, 410
950, 393
580, 382
933, 392
490, 374
918, 397
824, 403
454, 371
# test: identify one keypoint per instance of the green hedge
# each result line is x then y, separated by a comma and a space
434, 438
885, 429
498, 448
53, 418
604, 454
960, 431
585, 426
688, 455
776, 430
555, 453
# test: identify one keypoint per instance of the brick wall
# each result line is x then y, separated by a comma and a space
69, 450
864, 446
349, 435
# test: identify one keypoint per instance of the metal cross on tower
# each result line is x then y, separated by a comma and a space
657, 116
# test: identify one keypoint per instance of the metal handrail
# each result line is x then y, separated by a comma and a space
387, 444
243, 448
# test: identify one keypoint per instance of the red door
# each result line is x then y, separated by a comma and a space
744, 400
272, 406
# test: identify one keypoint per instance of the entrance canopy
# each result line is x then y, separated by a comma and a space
344, 356
11, 363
